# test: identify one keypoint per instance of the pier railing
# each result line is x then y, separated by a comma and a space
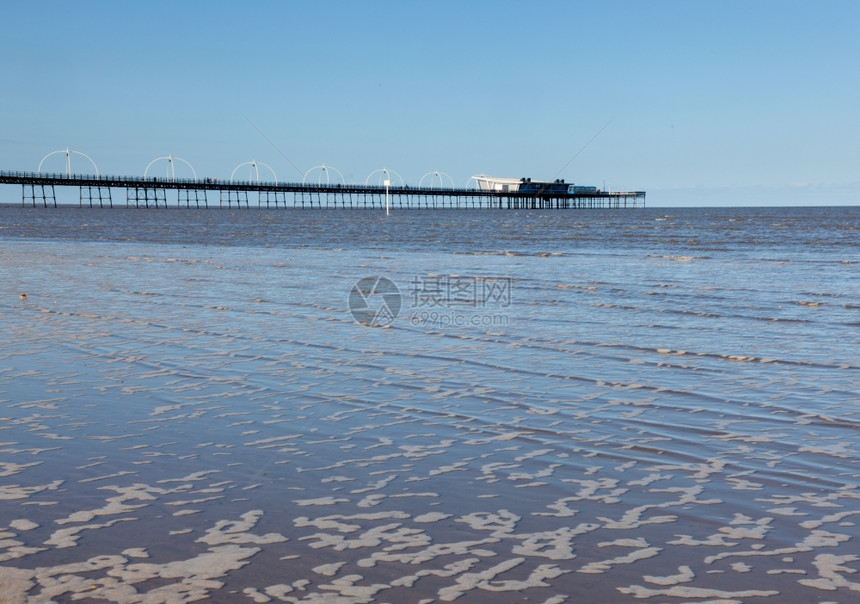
38, 189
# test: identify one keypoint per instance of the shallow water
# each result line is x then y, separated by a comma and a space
650, 405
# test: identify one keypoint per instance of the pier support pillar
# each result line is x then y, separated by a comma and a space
190, 196
42, 193
90, 194
146, 197
271, 198
230, 197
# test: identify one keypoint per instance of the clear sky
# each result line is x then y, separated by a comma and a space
707, 103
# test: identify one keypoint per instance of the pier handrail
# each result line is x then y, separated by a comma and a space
135, 185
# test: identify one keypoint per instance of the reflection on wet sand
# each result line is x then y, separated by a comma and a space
175, 427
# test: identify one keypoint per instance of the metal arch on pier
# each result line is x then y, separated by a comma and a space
433, 176
310, 197
143, 195
171, 170
254, 165
69, 152
271, 197
384, 174
472, 182
151, 193
90, 193
324, 169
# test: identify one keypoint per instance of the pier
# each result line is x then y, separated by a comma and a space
39, 190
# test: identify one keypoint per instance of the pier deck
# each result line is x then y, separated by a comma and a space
39, 190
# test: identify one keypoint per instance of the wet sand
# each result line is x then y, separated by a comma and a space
189, 422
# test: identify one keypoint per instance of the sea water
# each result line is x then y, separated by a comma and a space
479, 405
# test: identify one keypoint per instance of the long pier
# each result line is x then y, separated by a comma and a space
39, 189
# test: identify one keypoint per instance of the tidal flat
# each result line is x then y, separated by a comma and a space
558, 410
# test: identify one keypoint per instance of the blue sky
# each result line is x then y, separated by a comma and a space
707, 103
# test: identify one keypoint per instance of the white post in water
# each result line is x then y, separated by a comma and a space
387, 182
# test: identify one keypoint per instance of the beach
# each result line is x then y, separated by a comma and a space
654, 405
